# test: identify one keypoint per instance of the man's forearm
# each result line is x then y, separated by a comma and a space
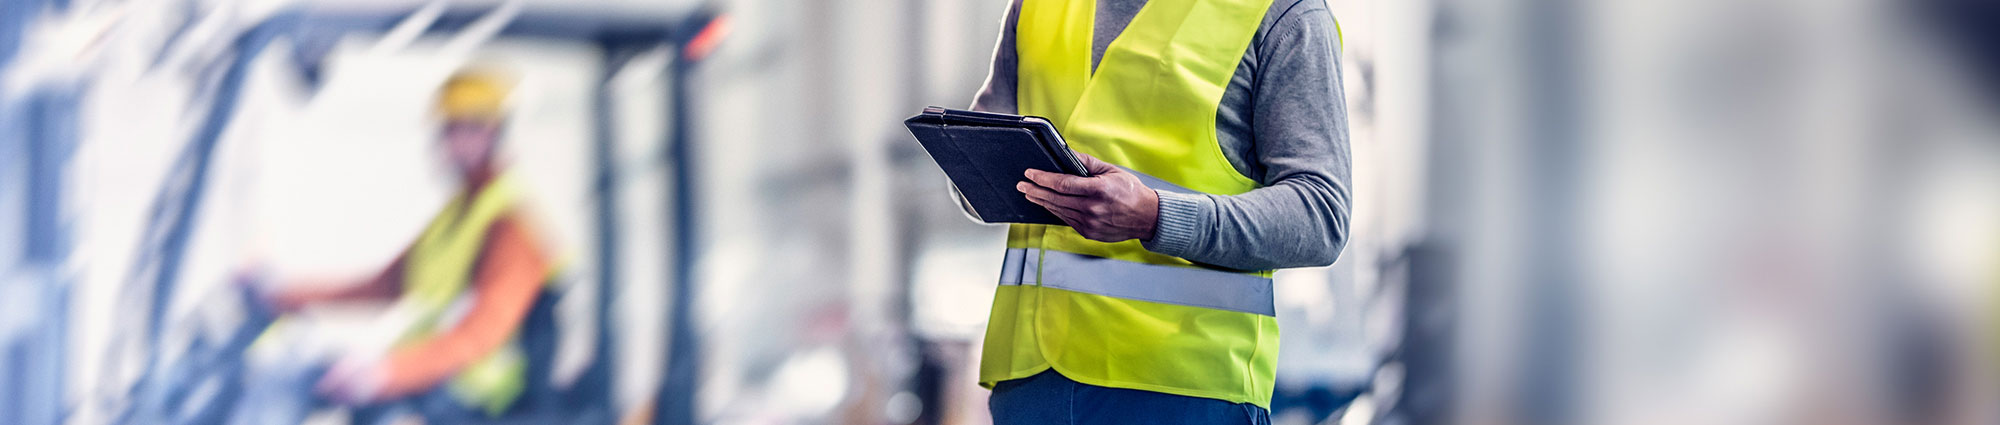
1292, 224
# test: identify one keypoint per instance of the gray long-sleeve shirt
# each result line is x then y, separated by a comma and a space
1282, 121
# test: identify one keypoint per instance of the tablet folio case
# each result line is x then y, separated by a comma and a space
985, 162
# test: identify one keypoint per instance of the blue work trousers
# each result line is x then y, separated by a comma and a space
1048, 398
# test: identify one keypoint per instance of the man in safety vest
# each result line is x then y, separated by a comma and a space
1216, 134
465, 285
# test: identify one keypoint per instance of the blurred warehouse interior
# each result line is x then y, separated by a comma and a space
1568, 212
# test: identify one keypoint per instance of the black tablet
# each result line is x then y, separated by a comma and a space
985, 154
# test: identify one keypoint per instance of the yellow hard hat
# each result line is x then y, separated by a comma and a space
474, 94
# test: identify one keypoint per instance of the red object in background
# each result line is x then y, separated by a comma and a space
710, 36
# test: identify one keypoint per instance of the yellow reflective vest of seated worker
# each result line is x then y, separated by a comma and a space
440, 266
1115, 314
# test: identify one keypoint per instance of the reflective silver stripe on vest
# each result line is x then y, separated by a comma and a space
1185, 286
1011, 272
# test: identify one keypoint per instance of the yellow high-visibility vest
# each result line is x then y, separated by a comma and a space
436, 275
1115, 314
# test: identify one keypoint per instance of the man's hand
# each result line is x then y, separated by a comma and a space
1110, 206
354, 380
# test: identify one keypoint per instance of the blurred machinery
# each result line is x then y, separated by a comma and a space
173, 364
36, 138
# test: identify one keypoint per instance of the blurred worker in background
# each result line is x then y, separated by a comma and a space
1216, 134
462, 289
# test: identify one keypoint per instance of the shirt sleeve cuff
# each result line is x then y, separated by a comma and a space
1183, 217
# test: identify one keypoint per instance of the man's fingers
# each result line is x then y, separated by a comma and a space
1057, 208
1064, 183
1042, 195
1053, 181
1076, 217
1069, 216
